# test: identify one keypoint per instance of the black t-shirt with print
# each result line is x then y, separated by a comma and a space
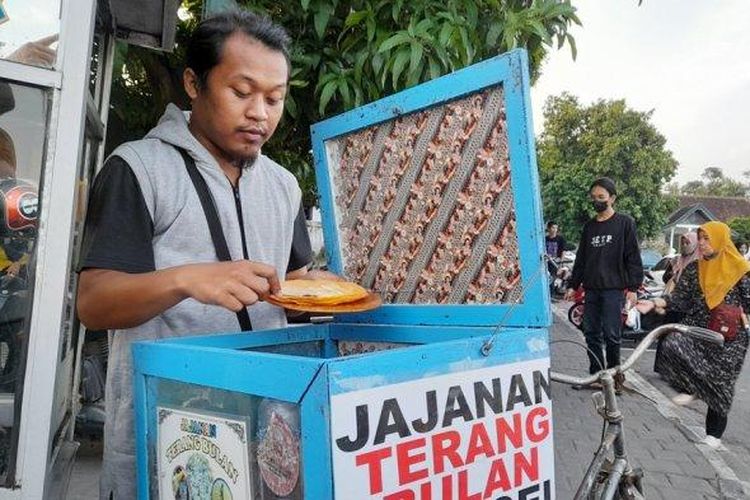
608, 256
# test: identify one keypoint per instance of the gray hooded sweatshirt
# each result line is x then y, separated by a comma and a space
270, 202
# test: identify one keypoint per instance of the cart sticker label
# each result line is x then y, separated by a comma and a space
278, 457
202, 456
471, 435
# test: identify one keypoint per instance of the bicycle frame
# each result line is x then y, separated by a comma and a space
606, 406
614, 438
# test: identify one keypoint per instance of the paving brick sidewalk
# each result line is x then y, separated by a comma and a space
674, 467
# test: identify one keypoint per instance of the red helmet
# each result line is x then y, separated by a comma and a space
20, 205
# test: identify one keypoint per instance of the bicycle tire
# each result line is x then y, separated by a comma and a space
575, 315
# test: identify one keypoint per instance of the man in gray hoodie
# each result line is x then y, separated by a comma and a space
149, 267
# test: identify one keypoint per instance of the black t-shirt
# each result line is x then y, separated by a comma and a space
119, 230
554, 246
608, 255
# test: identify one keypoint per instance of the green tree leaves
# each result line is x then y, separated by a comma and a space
347, 53
321, 18
714, 183
580, 144
350, 53
741, 226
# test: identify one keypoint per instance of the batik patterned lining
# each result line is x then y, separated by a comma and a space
352, 347
425, 205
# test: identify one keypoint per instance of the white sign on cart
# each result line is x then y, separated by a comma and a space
466, 435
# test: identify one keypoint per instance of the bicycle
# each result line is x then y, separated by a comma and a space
605, 478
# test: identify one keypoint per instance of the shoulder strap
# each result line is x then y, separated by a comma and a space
214, 225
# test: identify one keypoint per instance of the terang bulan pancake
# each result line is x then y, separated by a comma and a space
319, 292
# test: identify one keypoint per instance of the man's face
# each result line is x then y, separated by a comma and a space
238, 109
599, 194
552, 230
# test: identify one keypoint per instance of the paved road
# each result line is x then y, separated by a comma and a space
737, 436
736, 440
674, 467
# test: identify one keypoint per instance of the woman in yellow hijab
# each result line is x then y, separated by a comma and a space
724, 265
698, 369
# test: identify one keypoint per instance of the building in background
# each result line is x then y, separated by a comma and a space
696, 210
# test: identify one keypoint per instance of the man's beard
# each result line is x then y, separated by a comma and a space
245, 162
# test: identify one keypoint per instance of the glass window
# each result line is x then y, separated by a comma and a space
86, 171
29, 30
95, 68
23, 123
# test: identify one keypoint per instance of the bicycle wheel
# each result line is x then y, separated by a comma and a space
575, 315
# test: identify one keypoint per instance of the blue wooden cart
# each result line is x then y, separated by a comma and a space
430, 197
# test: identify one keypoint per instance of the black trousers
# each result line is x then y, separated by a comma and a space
602, 327
716, 423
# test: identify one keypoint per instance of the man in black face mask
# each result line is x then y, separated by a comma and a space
608, 264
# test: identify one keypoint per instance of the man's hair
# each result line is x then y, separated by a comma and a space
207, 41
605, 183
551, 223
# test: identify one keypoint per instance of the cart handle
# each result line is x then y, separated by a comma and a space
696, 332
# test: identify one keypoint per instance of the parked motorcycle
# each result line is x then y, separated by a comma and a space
559, 277
13, 309
633, 330
652, 286
19, 207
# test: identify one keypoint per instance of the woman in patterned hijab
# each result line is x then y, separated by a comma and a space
689, 252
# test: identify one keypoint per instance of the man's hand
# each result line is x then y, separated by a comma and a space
660, 303
569, 294
37, 53
115, 300
645, 306
631, 298
232, 285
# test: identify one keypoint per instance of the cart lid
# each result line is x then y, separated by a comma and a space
431, 197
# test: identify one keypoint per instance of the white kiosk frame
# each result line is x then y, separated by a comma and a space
73, 145
44, 446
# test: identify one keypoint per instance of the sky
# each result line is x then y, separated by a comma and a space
28, 20
688, 60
